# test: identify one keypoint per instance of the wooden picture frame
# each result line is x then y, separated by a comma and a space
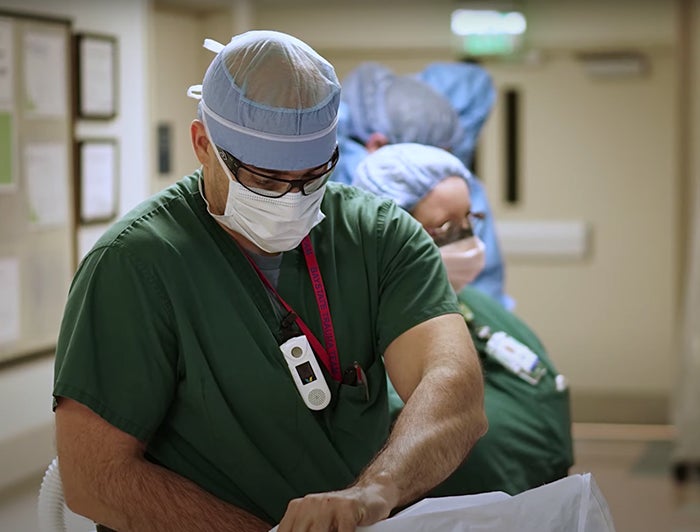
97, 184
96, 76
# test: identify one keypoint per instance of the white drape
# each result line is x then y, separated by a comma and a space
571, 504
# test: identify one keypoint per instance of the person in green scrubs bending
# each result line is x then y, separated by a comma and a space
527, 401
222, 359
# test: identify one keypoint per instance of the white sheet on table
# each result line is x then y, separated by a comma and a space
574, 504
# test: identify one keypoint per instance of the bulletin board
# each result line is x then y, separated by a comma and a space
37, 203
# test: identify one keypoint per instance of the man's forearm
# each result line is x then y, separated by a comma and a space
140, 496
436, 429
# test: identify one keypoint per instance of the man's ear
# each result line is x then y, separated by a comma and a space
375, 141
200, 142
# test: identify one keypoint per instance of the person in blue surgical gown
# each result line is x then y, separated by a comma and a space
445, 105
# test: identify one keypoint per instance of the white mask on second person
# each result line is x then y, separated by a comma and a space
272, 224
464, 260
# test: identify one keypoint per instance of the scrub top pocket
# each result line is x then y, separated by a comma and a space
357, 420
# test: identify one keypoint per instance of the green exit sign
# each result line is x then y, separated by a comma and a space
486, 31
489, 44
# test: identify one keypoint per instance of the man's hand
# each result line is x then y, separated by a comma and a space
340, 511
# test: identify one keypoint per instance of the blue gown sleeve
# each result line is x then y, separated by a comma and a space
490, 280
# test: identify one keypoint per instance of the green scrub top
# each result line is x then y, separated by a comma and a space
529, 441
170, 336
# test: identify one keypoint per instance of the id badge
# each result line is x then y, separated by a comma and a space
306, 372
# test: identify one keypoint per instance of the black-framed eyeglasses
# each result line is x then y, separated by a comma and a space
452, 231
263, 184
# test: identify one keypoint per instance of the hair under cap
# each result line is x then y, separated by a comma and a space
406, 172
271, 101
403, 108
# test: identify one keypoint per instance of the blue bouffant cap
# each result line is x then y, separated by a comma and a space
406, 172
270, 100
403, 108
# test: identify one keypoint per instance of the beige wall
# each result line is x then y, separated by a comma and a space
600, 151
403, 35
180, 59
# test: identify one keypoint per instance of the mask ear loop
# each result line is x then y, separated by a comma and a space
225, 168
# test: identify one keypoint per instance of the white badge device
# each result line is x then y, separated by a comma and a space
306, 373
516, 357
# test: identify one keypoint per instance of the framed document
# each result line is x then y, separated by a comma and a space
96, 84
97, 180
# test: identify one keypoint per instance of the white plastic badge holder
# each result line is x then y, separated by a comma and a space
306, 372
516, 357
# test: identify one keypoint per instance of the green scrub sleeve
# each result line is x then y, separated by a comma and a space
413, 282
116, 350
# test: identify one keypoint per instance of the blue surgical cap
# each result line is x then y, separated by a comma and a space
271, 101
470, 90
403, 108
406, 172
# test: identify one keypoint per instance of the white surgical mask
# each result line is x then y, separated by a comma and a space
464, 260
272, 224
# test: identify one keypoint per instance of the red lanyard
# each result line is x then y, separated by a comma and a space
329, 354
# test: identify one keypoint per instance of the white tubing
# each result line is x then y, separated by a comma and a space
51, 504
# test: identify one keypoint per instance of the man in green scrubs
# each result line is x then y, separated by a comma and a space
179, 403
527, 402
